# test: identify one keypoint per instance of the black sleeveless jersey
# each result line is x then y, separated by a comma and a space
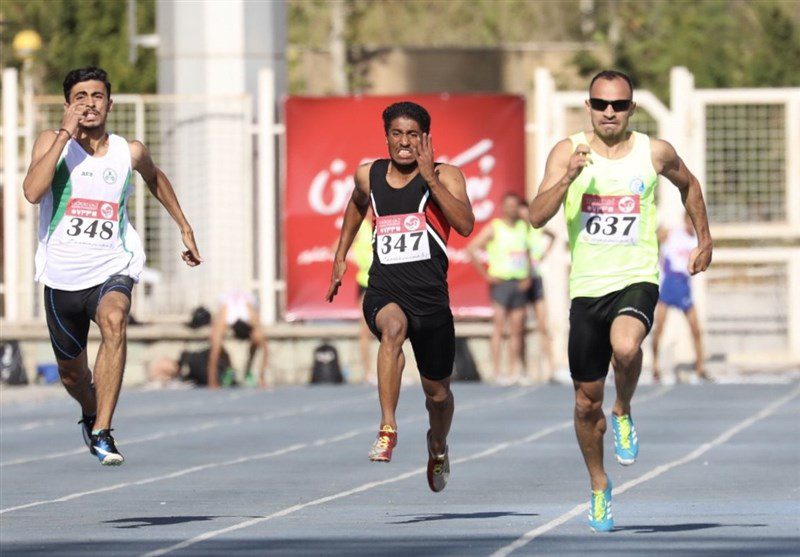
418, 287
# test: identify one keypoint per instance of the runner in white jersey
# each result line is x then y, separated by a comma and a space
676, 291
89, 255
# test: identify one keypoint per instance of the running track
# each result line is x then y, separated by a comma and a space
285, 473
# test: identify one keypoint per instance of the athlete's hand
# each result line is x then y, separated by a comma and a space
699, 259
73, 116
579, 160
339, 268
192, 255
424, 155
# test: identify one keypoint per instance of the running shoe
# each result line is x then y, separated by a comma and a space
105, 449
381, 450
87, 425
438, 468
600, 517
626, 444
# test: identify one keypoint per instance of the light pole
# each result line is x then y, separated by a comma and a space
26, 44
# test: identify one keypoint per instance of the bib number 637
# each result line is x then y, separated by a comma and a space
609, 225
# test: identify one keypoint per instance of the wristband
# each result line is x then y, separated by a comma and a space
63, 130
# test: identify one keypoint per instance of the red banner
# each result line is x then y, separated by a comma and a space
328, 138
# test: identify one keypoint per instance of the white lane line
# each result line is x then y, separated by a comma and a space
654, 473
243, 459
305, 409
367, 486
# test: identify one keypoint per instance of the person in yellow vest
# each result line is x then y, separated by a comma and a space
361, 253
606, 181
509, 276
540, 242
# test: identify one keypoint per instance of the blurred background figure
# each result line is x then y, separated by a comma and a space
540, 242
362, 256
509, 276
676, 291
238, 311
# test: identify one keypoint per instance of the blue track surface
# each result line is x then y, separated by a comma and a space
285, 472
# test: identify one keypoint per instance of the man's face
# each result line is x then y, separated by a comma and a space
93, 96
404, 133
511, 208
607, 122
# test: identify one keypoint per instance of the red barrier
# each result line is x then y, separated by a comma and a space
326, 140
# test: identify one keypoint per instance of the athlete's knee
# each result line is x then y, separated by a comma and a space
73, 376
440, 396
626, 351
394, 331
588, 406
112, 322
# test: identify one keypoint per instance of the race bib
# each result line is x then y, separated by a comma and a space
402, 238
609, 219
91, 222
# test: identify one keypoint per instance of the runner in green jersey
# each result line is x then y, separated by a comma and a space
606, 180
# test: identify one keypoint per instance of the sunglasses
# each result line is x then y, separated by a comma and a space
618, 105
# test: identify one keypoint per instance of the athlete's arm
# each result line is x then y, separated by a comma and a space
668, 164
161, 188
479, 242
561, 169
46, 151
448, 188
353, 215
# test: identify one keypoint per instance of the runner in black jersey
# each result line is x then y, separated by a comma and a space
415, 203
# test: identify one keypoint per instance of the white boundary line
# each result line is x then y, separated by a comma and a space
367, 486
305, 409
260, 456
654, 473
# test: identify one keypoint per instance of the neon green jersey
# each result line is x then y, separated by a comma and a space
362, 252
611, 220
508, 251
535, 248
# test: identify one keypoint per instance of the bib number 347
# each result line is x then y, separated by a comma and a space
402, 238
610, 219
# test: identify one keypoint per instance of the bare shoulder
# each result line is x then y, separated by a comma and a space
137, 148
362, 175
662, 150
561, 152
46, 139
449, 171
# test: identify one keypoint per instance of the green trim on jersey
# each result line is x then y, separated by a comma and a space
601, 268
61, 189
122, 210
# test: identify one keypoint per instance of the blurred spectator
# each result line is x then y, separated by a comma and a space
509, 276
540, 242
238, 310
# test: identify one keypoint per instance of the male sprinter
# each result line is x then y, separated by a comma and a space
89, 255
606, 180
415, 202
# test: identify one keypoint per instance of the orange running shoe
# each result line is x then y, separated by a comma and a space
438, 468
381, 450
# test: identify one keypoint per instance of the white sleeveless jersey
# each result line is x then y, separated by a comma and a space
84, 232
676, 251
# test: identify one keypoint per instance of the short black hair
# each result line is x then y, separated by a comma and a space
89, 73
407, 109
612, 74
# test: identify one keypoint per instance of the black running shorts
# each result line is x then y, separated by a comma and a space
433, 337
590, 326
536, 291
69, 312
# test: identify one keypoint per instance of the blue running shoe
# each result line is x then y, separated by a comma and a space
626, 443
600, 517
87, 425
105, 449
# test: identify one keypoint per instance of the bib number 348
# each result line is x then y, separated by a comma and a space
610, 219
402, 238
92, 222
